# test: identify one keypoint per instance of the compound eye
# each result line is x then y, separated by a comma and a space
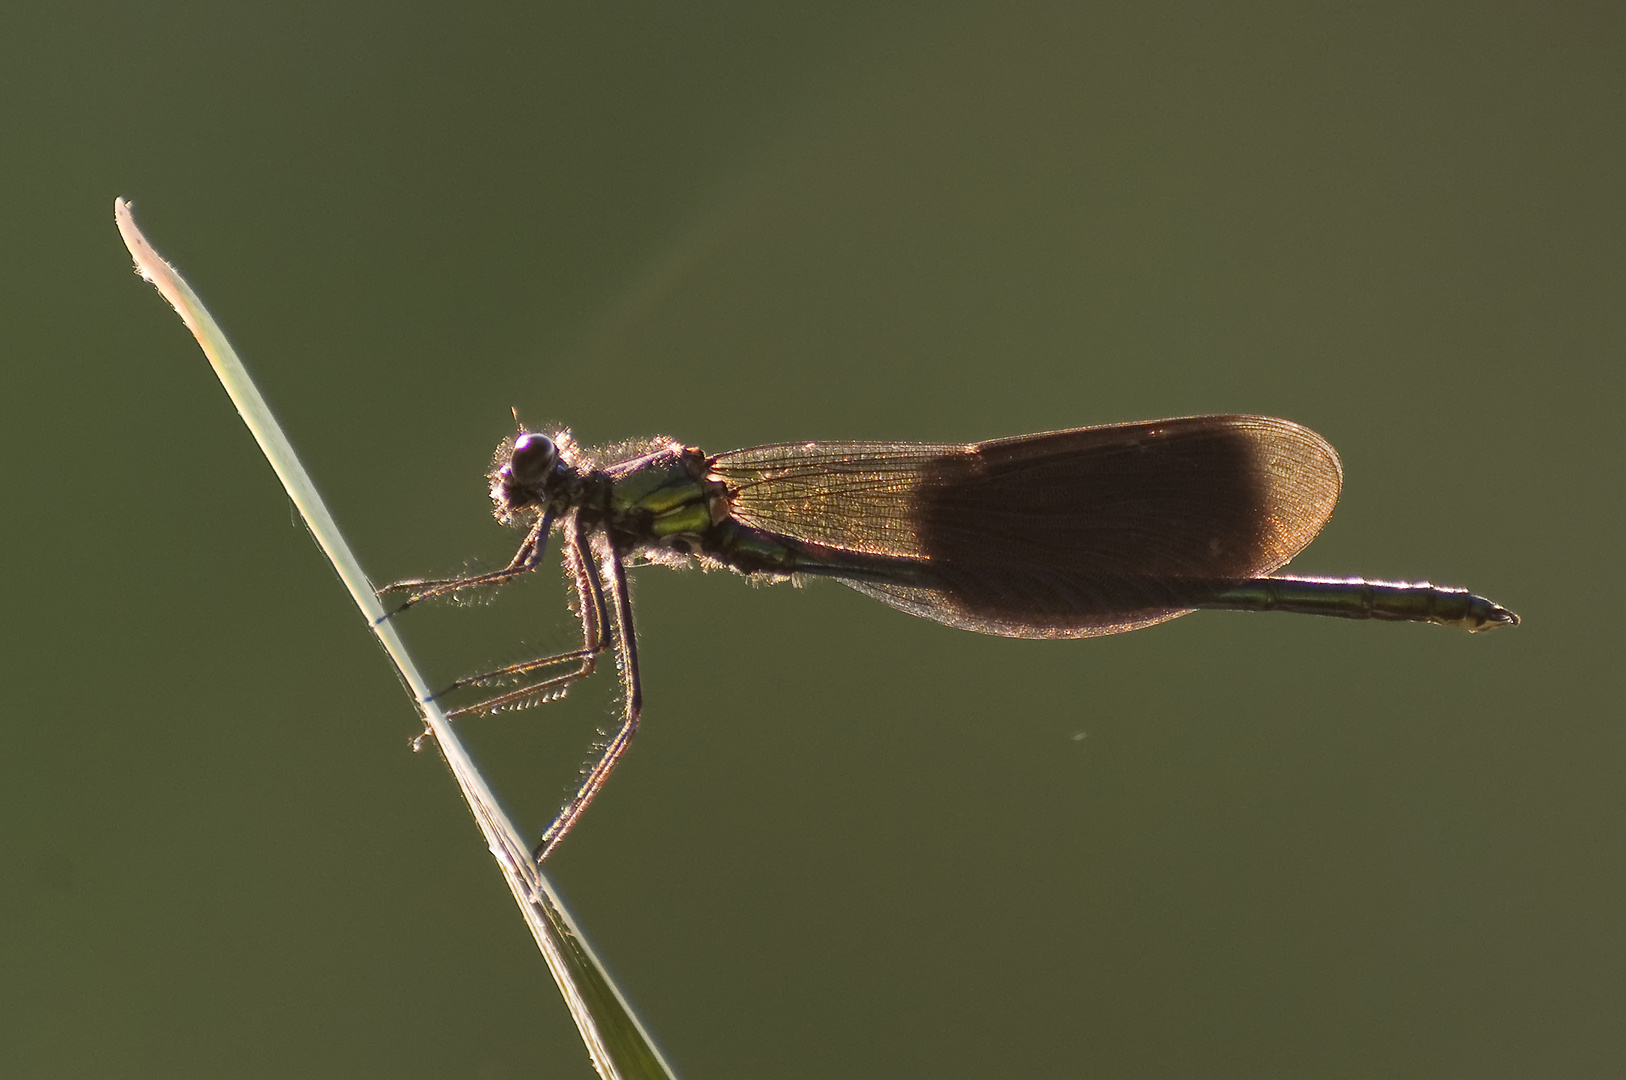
533, 458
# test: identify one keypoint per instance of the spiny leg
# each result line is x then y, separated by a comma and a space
594, 615
524, 561
626, 643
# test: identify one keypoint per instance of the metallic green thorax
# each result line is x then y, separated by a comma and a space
662, 499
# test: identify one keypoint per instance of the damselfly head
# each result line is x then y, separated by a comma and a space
532, 459
526, 469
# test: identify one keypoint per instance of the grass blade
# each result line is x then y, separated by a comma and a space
616, 1042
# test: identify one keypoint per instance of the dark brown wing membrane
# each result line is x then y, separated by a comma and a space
1065, 534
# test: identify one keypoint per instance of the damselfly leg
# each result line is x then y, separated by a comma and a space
524, 561
632, 693
591, 575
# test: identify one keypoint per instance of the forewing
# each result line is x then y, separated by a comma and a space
857, 496
1066, 534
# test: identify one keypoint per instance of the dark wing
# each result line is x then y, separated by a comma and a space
1065, 534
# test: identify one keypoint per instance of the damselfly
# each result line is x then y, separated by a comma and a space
1066, 534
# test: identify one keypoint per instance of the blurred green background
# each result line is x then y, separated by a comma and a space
847, 843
